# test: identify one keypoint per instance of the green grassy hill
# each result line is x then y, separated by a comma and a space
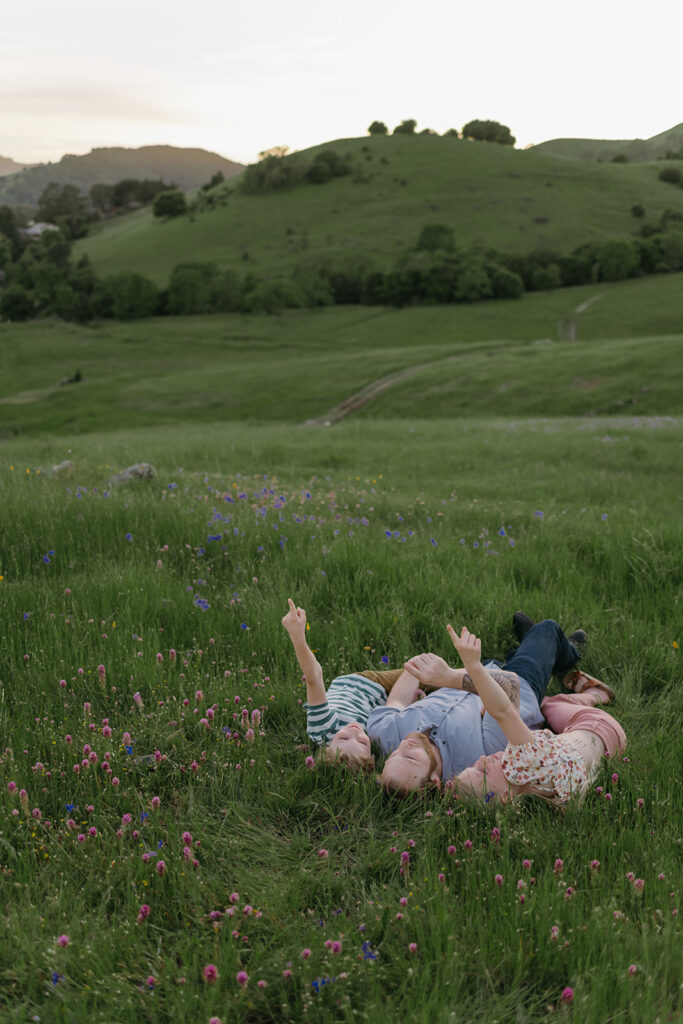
637, 150
511, 199
490, 359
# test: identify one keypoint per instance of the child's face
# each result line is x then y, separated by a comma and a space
353, 742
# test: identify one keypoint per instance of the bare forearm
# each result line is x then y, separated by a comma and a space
507, 681
404, 691
310, 667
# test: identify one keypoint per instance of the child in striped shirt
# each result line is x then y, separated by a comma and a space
337, 718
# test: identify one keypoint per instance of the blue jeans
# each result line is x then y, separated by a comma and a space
544, 651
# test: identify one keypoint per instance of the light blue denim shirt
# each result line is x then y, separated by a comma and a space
456, 726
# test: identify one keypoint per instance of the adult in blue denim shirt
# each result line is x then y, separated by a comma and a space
435, 739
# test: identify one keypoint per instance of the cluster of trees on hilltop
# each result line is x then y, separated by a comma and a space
73, 212
276, 170
39, 278
478, 131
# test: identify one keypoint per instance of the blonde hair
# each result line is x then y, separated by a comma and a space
326, 755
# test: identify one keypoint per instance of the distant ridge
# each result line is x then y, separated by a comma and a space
635, 150
187, 168
9, 166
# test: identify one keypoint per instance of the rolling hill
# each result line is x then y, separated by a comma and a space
515, 200
9, 166
188, 168
635, 150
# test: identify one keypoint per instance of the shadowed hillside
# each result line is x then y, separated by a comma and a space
187, 168
9, 166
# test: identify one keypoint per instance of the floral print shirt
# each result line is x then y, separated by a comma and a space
550, 764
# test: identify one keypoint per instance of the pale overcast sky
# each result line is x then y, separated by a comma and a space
237, 78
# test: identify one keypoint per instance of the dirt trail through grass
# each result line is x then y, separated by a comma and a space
360, 398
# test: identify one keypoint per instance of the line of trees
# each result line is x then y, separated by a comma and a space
73, 212
39, 278
477, 131
276, 170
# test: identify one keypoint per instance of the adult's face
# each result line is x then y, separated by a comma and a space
411, 766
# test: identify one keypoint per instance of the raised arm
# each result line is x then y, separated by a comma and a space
431, 670
494, 699
295, 624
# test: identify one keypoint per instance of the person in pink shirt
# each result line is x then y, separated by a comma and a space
539, 763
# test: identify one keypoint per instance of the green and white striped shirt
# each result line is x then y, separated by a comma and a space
349, 699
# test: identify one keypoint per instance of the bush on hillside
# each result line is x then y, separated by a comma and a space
215, 179
425, 276
8, 228
326, 165
378, 128
16, 303
64, 206
671, 248
434, 237
617, 260
126, 193
132, 296
72, 305
638, 210
273, 297
546, 278
650, 259
574, 270
313, 285
374, 289
228, 292
273, 173
46, 279
5, 251
406, 127
505, 284
670, 217
672, 175
473, 282
488, 131
530, 267
192, 289
171, 203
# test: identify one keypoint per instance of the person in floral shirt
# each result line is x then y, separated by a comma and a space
539, 763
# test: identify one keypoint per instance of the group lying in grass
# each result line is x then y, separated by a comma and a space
480, 728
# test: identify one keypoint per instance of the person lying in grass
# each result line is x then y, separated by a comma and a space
539, 763
431, 742
336, 719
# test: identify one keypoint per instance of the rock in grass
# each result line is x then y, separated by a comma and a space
138, 471
65, 468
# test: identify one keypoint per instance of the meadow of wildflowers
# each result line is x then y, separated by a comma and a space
169, 850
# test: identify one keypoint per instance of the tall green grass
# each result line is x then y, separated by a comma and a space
97, 575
